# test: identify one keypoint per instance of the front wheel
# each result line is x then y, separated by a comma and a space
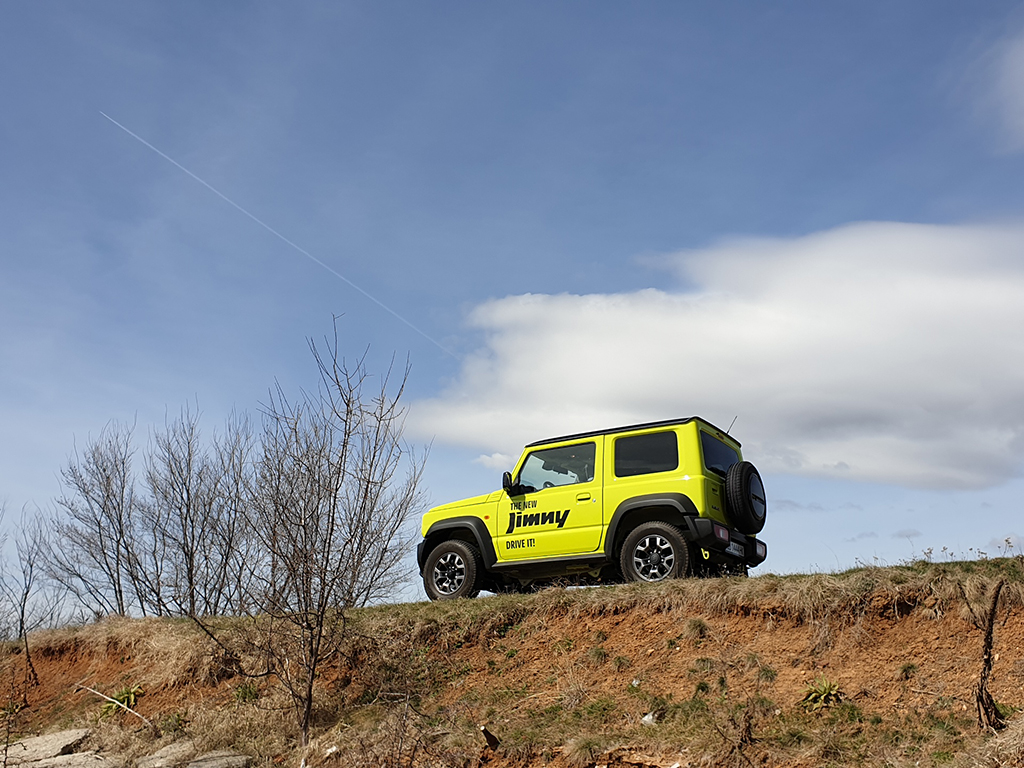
654, 552
452, 570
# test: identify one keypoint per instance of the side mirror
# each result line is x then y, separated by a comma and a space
506, 482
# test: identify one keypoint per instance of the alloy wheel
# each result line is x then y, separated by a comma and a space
653, 558
449, 573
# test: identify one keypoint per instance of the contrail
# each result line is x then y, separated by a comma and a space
278, 235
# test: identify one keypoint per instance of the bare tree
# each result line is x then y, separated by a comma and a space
7, 620
177, 475
97, 534
376, 501
198, 496
289, 530
233, 540
31, 605
328, 511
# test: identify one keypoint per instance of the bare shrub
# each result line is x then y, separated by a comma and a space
196, 560
97, 534
28, 604
328, 510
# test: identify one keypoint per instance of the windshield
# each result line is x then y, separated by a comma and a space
718, 456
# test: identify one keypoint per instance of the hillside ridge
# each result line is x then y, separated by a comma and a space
699, 672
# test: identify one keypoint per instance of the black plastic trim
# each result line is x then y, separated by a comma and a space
702, 532
549, 566
679, 501
480, 533
630, 427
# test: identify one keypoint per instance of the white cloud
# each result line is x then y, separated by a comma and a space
863, 535
995, 80
500, 461
1009, 85
876, 351
907, 533
1011, 544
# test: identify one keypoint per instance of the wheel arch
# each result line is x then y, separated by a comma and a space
467, 528
674, 508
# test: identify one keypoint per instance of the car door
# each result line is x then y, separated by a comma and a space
556, 508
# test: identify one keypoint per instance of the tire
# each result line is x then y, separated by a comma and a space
452, 570
744, 496
654, 552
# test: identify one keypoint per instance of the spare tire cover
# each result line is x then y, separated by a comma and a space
745, 498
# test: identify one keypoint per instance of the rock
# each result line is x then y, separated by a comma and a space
77, 760
224, 758
171, 756
47, 746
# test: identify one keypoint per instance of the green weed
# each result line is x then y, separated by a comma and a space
174, 723
821, 694
246, 693
563, 646
126, 697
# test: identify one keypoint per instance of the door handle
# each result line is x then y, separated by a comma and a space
582, 496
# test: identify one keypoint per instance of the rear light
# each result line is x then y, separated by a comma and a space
761, 549
721, 533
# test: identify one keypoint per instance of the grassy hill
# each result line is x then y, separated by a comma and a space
699, 672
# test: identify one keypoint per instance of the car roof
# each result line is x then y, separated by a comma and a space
630, 428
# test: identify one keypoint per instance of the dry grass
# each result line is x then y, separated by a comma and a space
830, 603
379, 703
1003, 751
167, 652
255, 730
809, 598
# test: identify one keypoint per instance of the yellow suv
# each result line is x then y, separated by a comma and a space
647, 502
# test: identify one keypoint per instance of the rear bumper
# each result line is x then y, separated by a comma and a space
727, 544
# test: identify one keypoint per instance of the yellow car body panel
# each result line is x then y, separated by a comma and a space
553, 521
483, 507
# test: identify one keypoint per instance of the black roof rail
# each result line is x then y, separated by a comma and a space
630, 428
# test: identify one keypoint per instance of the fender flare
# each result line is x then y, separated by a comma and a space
475, 525
678, 501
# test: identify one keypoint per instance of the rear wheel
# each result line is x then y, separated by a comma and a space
452, 570
654, 552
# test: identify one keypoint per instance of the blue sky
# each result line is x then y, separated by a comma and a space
807, 216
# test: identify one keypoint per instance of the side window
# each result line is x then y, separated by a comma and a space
550, 467
718, 456
644, 454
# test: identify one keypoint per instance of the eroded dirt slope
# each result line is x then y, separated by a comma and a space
567, 676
